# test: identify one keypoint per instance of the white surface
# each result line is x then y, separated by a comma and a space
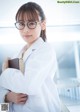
72, 104
68, 83
75, 108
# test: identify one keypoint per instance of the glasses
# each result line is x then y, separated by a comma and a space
30, 24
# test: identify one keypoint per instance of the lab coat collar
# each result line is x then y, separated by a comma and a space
37, 43
33, 47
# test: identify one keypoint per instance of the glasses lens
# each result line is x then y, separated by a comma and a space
32, 25
19, 25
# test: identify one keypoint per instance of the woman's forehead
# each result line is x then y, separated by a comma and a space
28, 16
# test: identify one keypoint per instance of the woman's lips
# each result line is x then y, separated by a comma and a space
27, 36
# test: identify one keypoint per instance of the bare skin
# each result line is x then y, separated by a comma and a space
17, 98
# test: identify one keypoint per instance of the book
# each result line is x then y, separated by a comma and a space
16, 63
13, 63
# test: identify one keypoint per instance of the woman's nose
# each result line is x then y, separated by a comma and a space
26, 28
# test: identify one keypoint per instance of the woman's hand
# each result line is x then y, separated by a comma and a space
5, 64
18, 98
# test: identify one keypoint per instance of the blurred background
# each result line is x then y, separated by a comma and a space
63, 32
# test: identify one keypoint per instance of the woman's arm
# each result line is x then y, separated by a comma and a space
7, 96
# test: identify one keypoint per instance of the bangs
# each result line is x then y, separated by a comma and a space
28, 14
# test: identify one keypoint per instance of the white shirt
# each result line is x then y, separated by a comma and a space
37, 80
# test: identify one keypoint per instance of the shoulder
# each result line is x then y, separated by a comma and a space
47, 48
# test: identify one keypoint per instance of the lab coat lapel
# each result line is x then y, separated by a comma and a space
36, 45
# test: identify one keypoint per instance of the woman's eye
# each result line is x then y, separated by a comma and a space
21, 24
32, 23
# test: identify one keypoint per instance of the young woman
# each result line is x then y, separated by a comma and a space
34, 89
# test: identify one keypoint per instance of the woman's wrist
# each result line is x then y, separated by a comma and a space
6, 98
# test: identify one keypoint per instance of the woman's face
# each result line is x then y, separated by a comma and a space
31, 35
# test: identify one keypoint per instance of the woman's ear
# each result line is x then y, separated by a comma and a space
43, 25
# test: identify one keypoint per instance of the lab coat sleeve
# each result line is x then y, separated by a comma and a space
3, 92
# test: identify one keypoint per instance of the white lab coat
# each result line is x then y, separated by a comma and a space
37, 81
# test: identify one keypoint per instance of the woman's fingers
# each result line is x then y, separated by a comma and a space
22, 95
22, 98
5, 64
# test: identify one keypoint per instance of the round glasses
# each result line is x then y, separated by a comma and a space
30, 24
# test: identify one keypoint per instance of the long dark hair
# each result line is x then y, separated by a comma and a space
33, 11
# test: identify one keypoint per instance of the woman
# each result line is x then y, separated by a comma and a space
34, 90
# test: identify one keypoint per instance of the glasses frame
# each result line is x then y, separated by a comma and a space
26, 24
